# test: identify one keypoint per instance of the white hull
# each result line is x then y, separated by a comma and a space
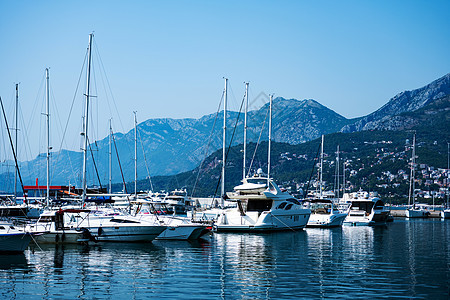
182, 232
445, 214
140, 233
232, 221
60, 237
326, 220
416, 213
178, 228
45, 233
373, 219
14, 242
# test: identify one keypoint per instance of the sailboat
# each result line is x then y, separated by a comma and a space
81, 225
364, 209
261, 205
324, 213
445, 213
176, 227
13, 239
414, 211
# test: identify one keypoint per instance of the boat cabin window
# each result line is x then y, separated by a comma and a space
282, 205
2, 227
289, 206
272, 187
122, 221
379, 205
259, 205
45, 219
362, 205
257, 181
295, 201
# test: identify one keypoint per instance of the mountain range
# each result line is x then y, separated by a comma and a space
172, 146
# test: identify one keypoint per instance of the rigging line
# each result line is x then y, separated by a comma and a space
68, 119
104, 85
95, 165
229, 146
25, 139
312, 170
14, 152
73, 102
109, 85
36, 102
207, 146
257, 144
120, 166
60, 124
281, 221
145, 159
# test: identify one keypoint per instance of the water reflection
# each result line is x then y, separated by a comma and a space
406, 259
13, 261
264, 265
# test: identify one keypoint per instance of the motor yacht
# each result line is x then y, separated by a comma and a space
364, 209
261, 206
13, 239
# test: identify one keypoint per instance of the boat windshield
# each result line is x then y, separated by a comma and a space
260, 181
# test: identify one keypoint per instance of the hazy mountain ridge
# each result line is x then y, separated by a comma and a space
406, 101
433, 116
175, 145
172, 146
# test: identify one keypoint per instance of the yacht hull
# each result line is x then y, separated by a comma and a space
326, 221
374, 219
182, 232
125, 233
445, 214
416, 213
16, 242
60, 237
266, 222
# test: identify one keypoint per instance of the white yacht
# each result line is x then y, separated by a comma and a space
13, 239
414, 211
365, 209
262, 206
50, 228
85, 225
445, 214
417, 211
178, 202
113, 226
178, 227
324, 213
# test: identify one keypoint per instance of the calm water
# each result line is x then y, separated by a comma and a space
406, 259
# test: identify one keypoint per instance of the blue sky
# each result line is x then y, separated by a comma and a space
168, 58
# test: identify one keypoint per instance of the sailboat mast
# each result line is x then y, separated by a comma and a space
47, 114
448, 172
270, 139
222, 191
343, 178
110, 156
411, 179
86, 112
16, 130
245, 129
135, 156
338, 172
321, 168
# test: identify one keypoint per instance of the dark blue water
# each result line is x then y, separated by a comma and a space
406, 259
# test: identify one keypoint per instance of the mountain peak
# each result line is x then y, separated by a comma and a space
406, 101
